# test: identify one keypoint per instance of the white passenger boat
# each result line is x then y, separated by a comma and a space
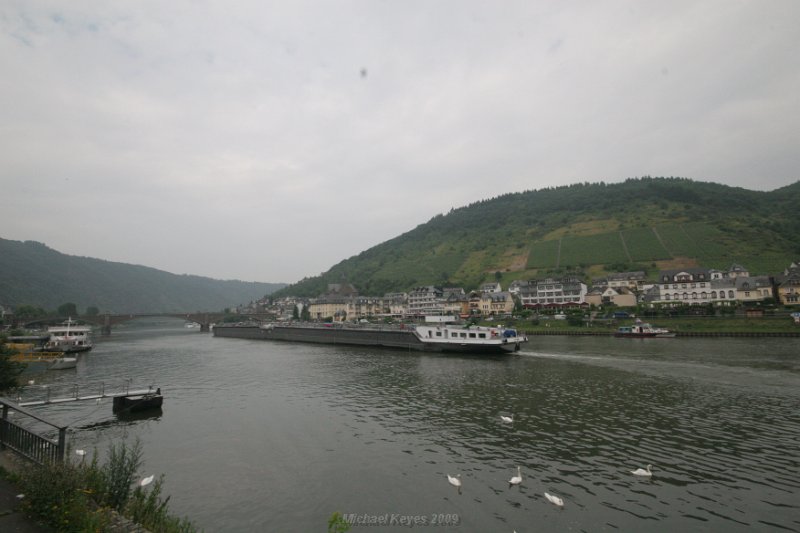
69, 337
475, 339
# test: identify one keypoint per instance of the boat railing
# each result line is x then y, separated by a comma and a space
15, 436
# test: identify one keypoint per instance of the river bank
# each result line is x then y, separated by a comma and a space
686, 326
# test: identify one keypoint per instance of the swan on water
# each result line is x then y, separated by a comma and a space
507, 419
146, 481
554, 499
455, 481
642, 471
516, 480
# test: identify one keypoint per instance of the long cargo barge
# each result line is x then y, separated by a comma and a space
441, 338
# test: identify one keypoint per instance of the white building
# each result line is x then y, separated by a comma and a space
491, 287
695, 286
552, 292
425, 300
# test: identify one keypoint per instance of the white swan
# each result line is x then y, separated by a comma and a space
507, 419
455, 481
146, 481
516, 480
642, 471
554, 499
80, 452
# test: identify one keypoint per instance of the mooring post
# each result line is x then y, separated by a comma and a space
106, 329
3, 427
62, 443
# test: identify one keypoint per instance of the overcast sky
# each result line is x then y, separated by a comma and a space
267, 141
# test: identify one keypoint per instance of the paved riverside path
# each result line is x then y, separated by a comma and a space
12, 519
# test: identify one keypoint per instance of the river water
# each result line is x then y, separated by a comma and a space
270, 436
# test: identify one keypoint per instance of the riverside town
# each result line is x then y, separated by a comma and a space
707, 291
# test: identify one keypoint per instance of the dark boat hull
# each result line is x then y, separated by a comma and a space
135, 404
384, 338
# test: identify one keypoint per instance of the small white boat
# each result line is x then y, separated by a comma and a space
63, 363
643, 330
69, 337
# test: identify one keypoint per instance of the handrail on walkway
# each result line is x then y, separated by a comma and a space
27, 443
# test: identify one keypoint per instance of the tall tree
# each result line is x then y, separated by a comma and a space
9, 370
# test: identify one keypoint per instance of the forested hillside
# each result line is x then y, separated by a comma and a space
586, 230
33, 274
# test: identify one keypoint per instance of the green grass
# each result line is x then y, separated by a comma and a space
677, 241
604, 248
643, 245
543, 254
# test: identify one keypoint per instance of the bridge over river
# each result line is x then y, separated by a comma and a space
107, 321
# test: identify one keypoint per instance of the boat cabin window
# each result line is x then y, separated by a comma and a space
471, 335
463, 335
438, 333
481, 335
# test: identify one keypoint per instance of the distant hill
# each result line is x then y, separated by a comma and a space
587, 230
33, 274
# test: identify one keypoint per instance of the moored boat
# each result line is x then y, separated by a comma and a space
643, 330
41, 361
138, 403
69, 337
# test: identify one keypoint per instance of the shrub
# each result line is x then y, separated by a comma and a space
78, 497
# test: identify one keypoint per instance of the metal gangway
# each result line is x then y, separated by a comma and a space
75, 392
38, 448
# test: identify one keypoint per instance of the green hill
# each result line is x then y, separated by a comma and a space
585, 229
33, 274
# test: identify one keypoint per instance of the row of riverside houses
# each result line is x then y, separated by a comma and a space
342, 302
689, 286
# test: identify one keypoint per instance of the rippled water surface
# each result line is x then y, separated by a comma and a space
269, 436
